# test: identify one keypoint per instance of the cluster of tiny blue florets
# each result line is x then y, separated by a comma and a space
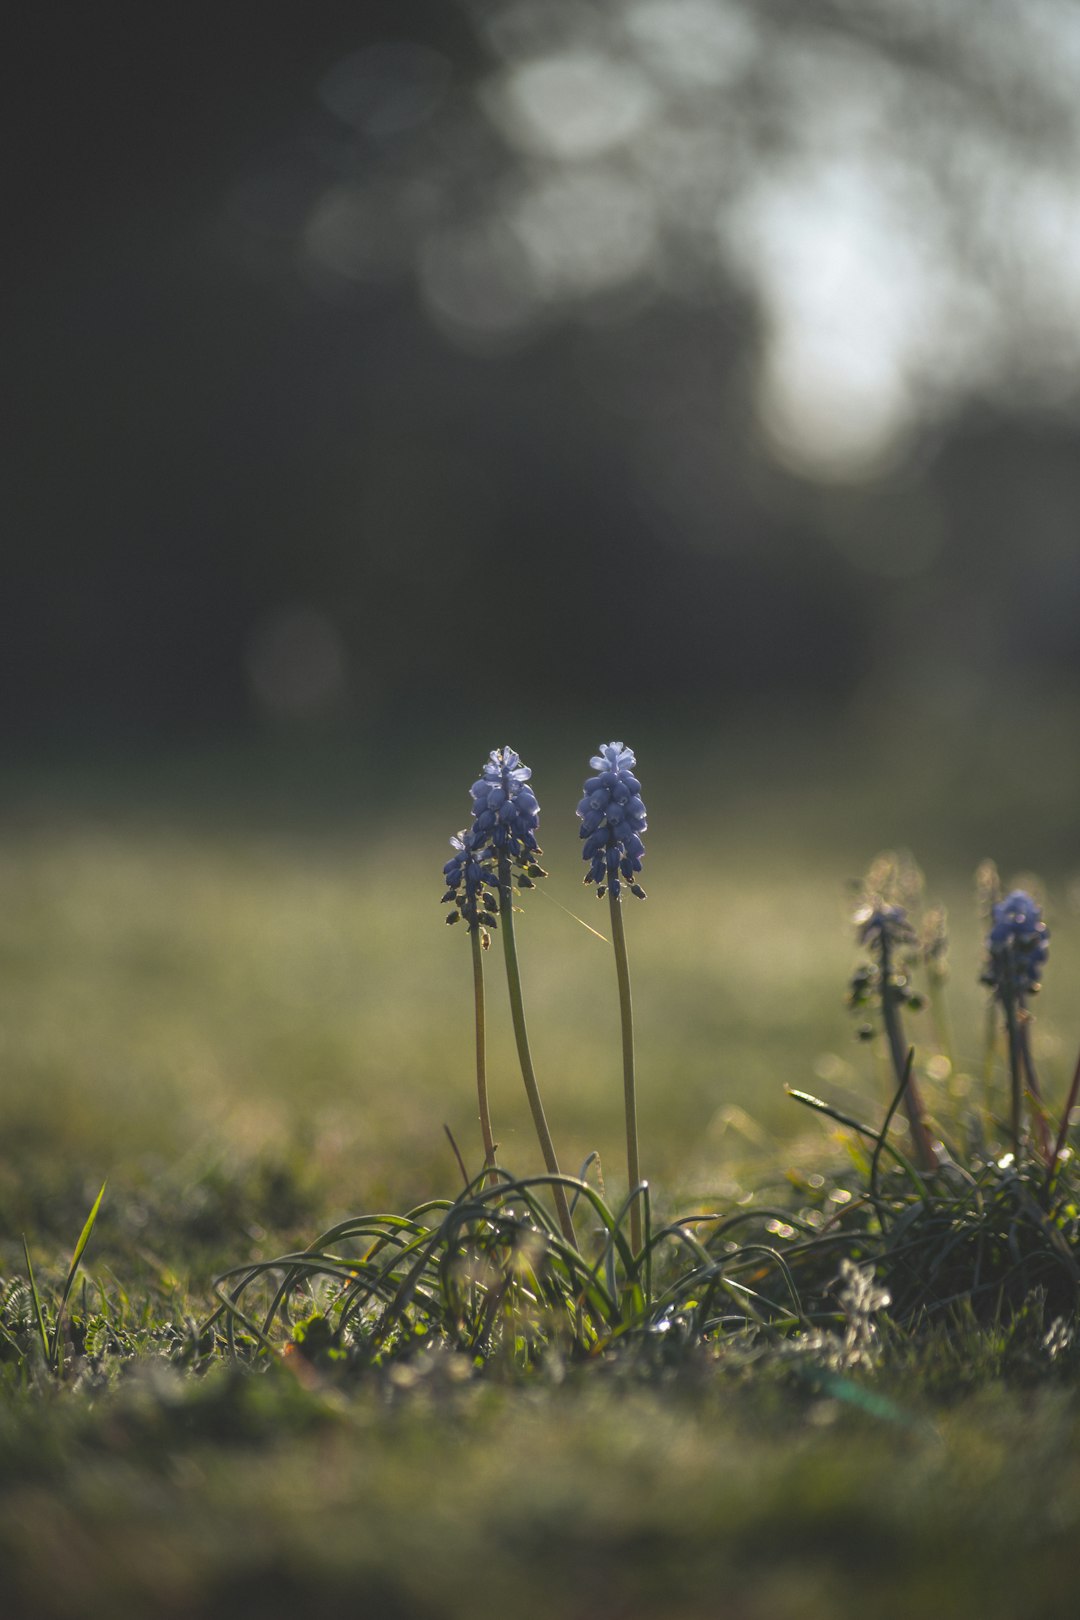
612, 821
467, 872
1016, 947
505, 812
505, 818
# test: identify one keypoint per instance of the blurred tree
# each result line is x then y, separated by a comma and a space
724, 348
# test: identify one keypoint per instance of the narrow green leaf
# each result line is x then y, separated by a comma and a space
37, 1302
80, 1247
810, 1101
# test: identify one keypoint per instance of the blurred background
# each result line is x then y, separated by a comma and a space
390, 382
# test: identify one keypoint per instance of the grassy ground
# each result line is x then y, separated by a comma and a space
256, 1024
694, 1499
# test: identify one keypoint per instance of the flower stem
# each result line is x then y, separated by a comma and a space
626, 1012
481, 1049
1016, 1071
521, 1036
898, 1050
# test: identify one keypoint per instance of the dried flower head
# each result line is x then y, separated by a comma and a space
888, 935
934, 943
877, 924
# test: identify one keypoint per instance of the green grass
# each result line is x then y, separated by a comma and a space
172, 1000
257, 1028
427, 1496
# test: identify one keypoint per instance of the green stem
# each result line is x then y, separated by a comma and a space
987, 1114
1016, 1071
626, 1012
521, 1036
898, 1050
481, 1048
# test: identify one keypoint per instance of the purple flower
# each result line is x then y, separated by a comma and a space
612, 822
1016, 947
505, 812
505, 818
466, 873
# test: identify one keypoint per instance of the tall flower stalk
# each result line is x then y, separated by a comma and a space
480, 1008
888, 935
612, 821
496, 854
1017, 948
466, 873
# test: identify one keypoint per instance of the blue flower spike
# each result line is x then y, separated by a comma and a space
505, 812
1016, 947
467, 872
1016, 950
506, 816
496, 853
612, 822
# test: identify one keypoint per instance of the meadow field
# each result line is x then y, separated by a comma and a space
241, 1009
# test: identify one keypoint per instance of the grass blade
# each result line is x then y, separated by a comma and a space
80, 1249
810, 1101
38, 1316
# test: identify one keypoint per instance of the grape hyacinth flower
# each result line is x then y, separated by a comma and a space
496, 853
467, 872
505, 812
470, 877
889, 936
505, 818
612, 822
1016, 949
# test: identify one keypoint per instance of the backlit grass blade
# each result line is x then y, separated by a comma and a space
80, 1249
808, 1100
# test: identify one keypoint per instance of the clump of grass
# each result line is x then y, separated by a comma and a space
978, 1238
51, 1339
489, 1276
976, 1224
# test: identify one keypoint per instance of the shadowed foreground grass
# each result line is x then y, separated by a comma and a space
256, 1033
696, 1498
